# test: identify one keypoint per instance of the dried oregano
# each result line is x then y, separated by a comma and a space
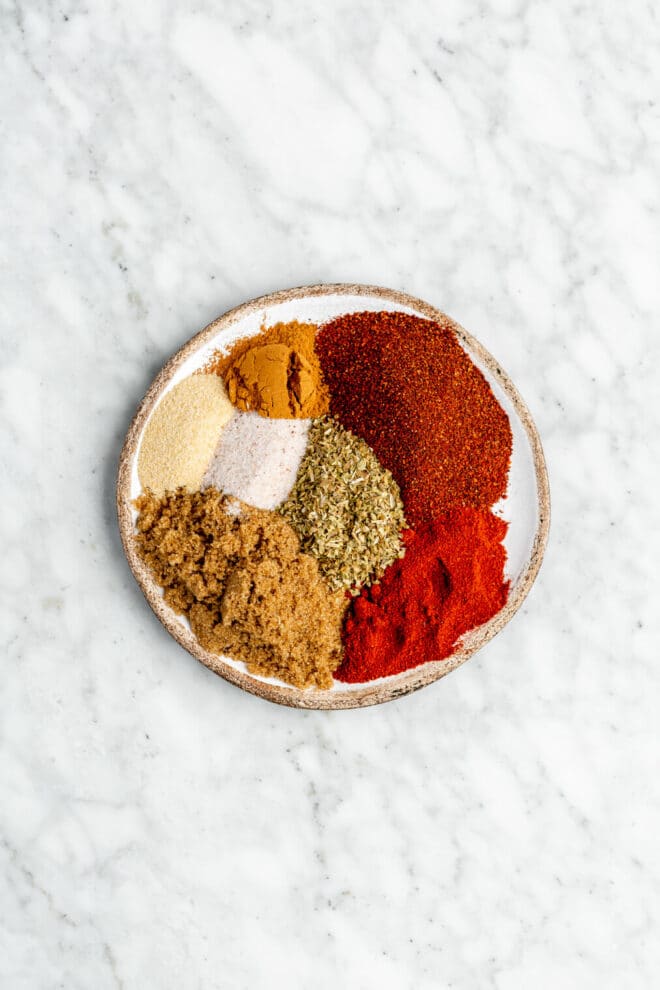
345, 507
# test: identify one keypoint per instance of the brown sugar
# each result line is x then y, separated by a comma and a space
244, 584
275, 372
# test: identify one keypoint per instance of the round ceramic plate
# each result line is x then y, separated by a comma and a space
526, 507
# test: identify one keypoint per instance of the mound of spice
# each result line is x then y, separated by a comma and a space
245, 586
275, 373
410, 390
257, 459
182, 433
345, 507
450, 580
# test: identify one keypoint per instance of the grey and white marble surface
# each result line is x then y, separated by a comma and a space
162, 161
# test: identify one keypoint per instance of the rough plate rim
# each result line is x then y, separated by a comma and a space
391, 687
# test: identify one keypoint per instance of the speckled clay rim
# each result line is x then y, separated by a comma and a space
399, 684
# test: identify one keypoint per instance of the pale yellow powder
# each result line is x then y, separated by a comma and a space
182, 434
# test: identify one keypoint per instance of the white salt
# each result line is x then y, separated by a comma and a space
233, 507
257, 458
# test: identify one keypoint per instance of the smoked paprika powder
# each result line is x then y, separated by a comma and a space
449, 581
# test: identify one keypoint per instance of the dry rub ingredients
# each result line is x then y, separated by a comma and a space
182, 434
275, 373
257, 459
244, 584
345, 507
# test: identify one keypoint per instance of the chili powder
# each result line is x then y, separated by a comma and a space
450, 580
407, 387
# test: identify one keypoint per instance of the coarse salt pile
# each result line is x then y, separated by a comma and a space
257, 459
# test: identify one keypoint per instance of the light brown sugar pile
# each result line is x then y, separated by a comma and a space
275, 373
182, 434
244, 584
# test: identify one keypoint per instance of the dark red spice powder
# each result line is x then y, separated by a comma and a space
407, 387
450, 580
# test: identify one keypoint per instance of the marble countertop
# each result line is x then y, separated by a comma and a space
162, 162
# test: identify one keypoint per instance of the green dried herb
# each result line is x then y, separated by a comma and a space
346, 507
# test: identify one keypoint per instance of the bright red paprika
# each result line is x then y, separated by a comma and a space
450, 580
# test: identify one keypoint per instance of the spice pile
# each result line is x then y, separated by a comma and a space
276, 372
182, 433
410, 390
449, 581
318, 501
345, 507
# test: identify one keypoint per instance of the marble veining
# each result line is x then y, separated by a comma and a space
162, 162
